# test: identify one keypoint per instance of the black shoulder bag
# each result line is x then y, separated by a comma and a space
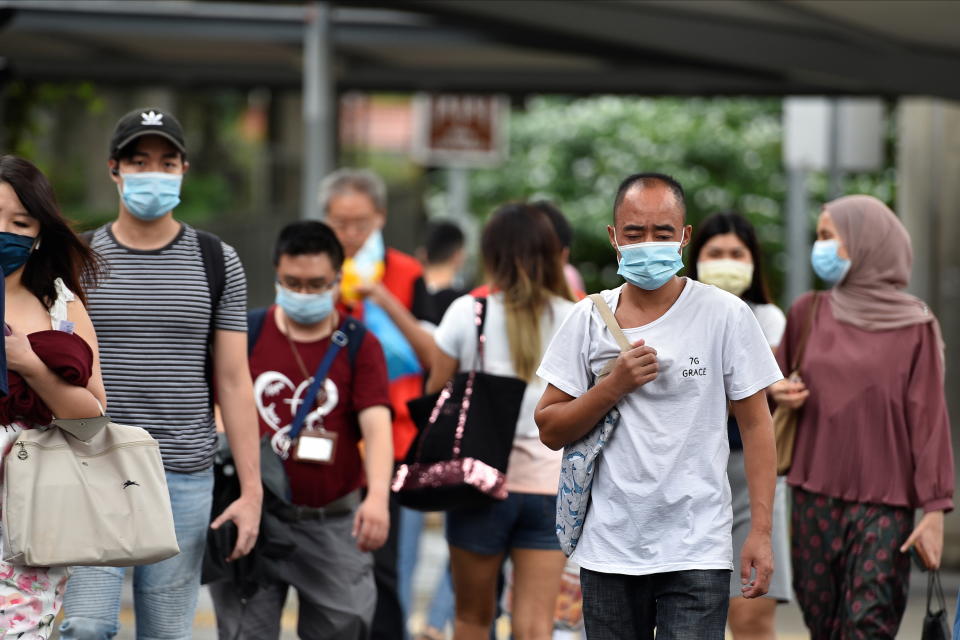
459, 457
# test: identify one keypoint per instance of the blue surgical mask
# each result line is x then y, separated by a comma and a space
15, 249
305, 308
649, 265
827, 263
152, 194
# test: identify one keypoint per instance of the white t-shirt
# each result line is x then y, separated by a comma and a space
533, 468
660, 499
772, 322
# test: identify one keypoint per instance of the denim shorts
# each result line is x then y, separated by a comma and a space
522, 521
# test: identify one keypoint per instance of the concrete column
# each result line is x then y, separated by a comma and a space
928, 202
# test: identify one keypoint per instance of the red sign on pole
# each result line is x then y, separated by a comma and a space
460, 130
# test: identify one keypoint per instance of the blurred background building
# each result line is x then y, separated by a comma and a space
273, 95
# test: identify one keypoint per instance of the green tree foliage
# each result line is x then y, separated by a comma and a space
726, 152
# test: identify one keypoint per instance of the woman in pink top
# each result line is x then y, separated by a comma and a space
873, 438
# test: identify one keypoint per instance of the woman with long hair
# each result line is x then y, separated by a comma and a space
873, 435
45, 266
528, 300
725, 253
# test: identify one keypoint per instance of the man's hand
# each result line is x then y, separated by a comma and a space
928, 537
245, 514
372, 523
757, 555
634, 368
790, 393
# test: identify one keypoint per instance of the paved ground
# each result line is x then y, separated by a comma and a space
433, 551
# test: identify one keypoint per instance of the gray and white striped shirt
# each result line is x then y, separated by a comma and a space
151, 312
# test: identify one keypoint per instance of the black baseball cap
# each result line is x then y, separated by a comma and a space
146, 122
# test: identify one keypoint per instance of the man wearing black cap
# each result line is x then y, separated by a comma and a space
171, 316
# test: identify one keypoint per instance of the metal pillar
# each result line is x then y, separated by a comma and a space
318, 119
798, 236
834, 172
458, 194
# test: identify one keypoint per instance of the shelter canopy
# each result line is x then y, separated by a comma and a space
680, 47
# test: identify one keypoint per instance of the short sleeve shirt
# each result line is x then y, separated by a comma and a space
278, 383
533, 467
660, 499
152, 313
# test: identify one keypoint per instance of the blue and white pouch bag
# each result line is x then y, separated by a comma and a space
580, 459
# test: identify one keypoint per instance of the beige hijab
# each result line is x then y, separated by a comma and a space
871, 295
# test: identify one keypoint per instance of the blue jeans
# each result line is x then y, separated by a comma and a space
165, 593
441, 605
680, 605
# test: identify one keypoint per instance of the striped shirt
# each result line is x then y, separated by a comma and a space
152, 313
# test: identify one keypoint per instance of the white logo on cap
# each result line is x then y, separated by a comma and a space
152, 119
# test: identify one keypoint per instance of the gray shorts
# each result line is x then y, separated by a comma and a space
334, 583
780, 588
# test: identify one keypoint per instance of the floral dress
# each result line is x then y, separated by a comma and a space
30, 597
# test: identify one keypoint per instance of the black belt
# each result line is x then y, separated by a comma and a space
340, 507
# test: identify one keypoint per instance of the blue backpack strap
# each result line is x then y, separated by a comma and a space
355, 332
350, 331
255, 320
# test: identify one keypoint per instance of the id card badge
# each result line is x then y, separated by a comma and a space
315, 445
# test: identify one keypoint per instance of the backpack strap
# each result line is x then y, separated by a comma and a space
214, 266
355, 332
215, 270
347, 333
613, 327
255, 320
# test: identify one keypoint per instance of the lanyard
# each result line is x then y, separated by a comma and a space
338, 340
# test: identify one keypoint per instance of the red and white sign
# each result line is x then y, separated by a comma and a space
460, 130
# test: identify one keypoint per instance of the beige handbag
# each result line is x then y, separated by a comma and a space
86, 492
784, 418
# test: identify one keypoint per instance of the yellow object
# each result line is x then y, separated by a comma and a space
357, 277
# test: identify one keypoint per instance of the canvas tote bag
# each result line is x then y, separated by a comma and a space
580, 458
785, 419
86, 492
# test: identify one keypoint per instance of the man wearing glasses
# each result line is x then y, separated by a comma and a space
379, 288
332, 528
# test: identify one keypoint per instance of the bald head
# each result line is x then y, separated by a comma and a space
662, 188
649, 208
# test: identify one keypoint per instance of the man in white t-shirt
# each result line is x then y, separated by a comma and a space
656, 549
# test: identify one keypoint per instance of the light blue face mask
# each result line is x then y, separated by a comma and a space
649, 265
827, 263
305, 308
151, 195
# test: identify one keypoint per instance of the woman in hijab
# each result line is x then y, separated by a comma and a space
873, 436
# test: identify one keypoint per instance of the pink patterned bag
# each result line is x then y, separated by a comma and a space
459, 457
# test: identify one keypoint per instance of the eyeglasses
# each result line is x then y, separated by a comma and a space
308, 286
358, 225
